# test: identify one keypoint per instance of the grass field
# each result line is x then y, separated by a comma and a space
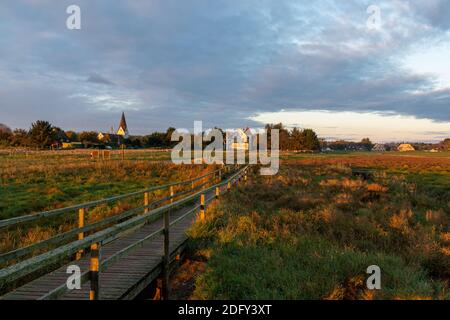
311, 231
45, 181
42, 181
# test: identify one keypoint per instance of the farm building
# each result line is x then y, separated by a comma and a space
404, 147
59, 138
379, 147
72, 145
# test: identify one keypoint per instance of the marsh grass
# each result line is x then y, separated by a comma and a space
311, 232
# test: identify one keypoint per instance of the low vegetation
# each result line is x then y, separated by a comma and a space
311, 232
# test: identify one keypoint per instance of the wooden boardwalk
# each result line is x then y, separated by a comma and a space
120, 279
129, 275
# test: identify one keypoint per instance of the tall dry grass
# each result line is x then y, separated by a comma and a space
311, 231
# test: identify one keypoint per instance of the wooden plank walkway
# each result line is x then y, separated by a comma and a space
127, 277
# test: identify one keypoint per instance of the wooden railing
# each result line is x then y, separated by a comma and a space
96, 240
82, 210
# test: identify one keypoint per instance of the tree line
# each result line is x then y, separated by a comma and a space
42, 135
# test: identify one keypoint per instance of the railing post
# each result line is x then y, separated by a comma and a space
202, 207
166, 257
245, 176
217, 192
146, 201
158, 289
94, 293
81, 221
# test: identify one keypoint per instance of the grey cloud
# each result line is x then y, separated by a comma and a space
173, 62
95, 78
434, 12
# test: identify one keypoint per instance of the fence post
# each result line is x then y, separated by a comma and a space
165, 284
146, 201
202, 207
94, 293
217, 192
81, 221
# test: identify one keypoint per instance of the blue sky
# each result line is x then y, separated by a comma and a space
229, 63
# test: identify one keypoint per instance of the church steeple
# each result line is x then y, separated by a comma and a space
123, 129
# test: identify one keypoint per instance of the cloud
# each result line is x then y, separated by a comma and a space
172, 62
95, 78
434, 12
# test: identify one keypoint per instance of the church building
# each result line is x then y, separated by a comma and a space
118, 137
123, 129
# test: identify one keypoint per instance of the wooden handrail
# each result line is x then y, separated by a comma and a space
30, 265
56, 212
20, 252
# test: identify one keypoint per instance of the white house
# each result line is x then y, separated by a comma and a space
238, 139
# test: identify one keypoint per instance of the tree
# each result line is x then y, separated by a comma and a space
88, 137
4, 128
169, 142
283, 135
367, 144
5, 138
309, 141
5, 135
41, 134
446, 144
73, 137
135, 141
156, 139
20, 138
296, 138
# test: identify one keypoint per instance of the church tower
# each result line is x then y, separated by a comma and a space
123, 129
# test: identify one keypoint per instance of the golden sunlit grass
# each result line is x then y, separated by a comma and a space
311, 232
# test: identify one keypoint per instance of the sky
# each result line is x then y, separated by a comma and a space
325, 64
